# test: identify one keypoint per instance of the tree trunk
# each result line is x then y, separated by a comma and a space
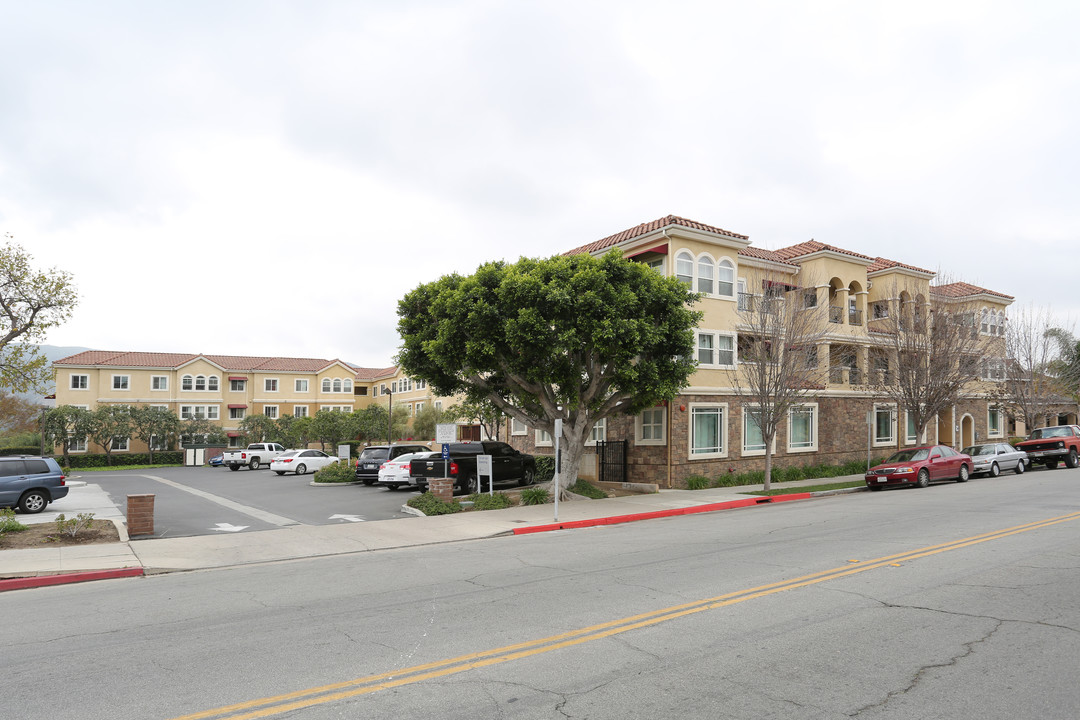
571, 462
768, 465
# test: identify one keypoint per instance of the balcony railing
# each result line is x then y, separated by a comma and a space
836, 314
854, 317
841, 375
749, 302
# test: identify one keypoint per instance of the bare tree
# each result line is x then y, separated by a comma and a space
1031, 387
779, 332
927, 348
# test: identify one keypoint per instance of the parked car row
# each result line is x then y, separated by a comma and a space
921, 466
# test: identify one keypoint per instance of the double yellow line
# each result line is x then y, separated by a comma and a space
267, 707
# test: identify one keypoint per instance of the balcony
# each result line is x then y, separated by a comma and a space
842, 375
748, 302
836, 314
854, 317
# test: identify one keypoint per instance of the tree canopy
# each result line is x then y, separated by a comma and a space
31, 302
576, 338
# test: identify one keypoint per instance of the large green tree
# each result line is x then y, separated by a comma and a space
63, 424
154, 424
257, 427
572, 338
330, 427
484, 413
31, 302
110, 423
294, 432
425, 420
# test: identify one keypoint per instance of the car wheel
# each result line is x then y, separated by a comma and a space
995, 470
468, 485
964, 475
33, 502
924, 478
301, 469
234, 468
1050, 464
254, 464
1020, 467
1071, 460
528, 476
392, 487
280, 472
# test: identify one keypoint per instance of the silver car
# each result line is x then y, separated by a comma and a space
991, 458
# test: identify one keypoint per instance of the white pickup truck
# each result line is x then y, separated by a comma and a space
253, 456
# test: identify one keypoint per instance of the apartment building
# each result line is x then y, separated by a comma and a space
710, 428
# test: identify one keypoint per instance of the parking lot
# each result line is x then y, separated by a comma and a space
206, 500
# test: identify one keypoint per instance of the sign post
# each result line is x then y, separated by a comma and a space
445, 433
558, 465
483, 467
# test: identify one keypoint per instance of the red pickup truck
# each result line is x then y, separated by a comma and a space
1048, 445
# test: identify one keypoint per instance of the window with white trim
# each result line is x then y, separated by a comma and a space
649, 427
337, 385
270, 384
705, 282
753, 437
346, 385
911, 435
725, 286
802, 428
300, 411
237, 413
326, 383
270, 411
543, 438
159, 382
598, 433
158, 442
517, 427
994, 423
200, 383
120, 444
80, 382
300, 386
121, 382
684, 268
187, 382
708, 430
212, 383
77, 444
236, 385
884, 425
715, 349
202, 412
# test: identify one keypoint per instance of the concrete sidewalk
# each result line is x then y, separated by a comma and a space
304, 541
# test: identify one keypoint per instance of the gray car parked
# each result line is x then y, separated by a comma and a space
30, 483
991, 458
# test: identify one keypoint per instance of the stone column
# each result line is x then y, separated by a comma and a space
140, 515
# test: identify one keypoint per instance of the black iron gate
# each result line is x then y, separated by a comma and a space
611, 461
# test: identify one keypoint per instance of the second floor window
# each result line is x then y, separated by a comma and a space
270, 385
80, 382
120, 382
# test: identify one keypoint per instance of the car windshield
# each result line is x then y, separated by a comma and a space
908, 455
1051, 432
374, 454
980, 450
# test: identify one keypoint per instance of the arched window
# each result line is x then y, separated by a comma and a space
185, 382
726, 284
200, 382
337, 385
705, 275
212, 383
326, 385
684, 268
346, 385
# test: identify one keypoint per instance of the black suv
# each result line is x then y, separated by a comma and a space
30, 483
367, 465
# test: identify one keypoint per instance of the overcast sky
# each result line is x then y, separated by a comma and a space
269, 178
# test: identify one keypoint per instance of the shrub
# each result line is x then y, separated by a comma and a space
431, 505
339, 472
545, 468
23, 450
97, 460
534, 496
698, 482
498, 501
75, 525
8, 523
586, 488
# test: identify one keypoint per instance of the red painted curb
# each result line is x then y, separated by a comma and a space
712, 507
43, 580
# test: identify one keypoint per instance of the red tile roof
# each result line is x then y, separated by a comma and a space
963, 289
648, 227
884, 264
813, 246
769, 255
231, 363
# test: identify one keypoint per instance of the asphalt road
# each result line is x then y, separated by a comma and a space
957, 601
200, 501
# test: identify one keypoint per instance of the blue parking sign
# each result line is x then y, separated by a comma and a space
446, 451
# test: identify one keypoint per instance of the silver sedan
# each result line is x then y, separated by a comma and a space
991, 458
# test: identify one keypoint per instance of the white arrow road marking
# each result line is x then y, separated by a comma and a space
226, 527
350, 518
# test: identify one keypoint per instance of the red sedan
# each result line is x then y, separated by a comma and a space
920, 466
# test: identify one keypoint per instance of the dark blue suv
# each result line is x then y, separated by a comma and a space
30, 483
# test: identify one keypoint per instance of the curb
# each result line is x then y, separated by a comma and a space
712, 507
65, 578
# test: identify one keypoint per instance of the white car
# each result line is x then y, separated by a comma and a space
301, 461
394, 473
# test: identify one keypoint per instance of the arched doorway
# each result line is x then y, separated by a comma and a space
967, 431
945, 429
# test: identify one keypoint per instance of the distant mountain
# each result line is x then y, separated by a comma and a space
53, 353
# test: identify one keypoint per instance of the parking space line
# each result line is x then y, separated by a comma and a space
267, 517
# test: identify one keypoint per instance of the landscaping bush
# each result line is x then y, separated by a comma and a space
698, 482
534, 496
498, 501
25, 450
97, 460
586, 488
339, 472
8, 523
545, 468
72, 527
431, 505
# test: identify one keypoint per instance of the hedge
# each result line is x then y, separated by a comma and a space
165, 457
34, 450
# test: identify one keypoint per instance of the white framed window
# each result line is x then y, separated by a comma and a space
543, 438
300, 411
715, 349
80, 382
705, 280
187, 382
236, 385
995, 427
992, 369
159, 382
301, 386
200, 383
237, 413
753, 439
708, 430
419, 406
326, 385
657, 264
213, 412
684, 268
212, 383
207, 412
911, 434
270, 384
187, 412
270, 411
120, 443
158, 442
346, 385
77, 444
802, 428
598, 433
517, 427
725, 285
649, 427
337, 385
884, 425
121, 382
420, 384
